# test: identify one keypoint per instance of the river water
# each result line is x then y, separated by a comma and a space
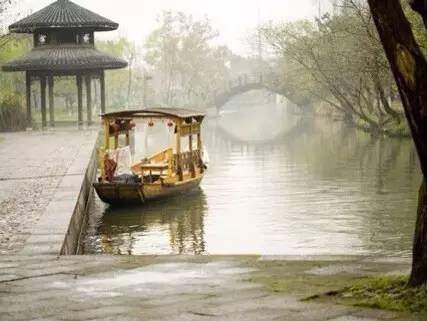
277, 183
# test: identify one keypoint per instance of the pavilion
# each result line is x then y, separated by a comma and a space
64, 45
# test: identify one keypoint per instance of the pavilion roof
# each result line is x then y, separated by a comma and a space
64, 58
63, 14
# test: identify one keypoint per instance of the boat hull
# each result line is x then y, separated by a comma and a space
134, 194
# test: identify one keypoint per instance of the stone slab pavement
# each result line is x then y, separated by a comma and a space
32, 165
184, 288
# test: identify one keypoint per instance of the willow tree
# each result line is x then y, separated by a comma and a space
409, 67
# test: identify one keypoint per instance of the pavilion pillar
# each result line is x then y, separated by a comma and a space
79, 100
89, 99
28, 97
43, 100
102, 89
51, 102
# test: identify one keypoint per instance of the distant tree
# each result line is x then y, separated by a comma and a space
123, 91
11, 46
14, 47
5, 5
181, 52
65, 88
131, 55
409, 67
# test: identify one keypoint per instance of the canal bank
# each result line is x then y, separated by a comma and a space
45, 179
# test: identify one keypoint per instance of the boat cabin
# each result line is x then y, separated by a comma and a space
166, 172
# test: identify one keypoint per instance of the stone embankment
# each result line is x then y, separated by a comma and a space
33, 165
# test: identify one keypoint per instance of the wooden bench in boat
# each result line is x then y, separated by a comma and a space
157, 168
157, 164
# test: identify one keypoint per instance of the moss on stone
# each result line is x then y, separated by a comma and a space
388, 292
316, 280
294, 277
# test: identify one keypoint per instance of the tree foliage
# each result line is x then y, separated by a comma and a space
338, 59
12, 113
181, 52
119, 81
12, 88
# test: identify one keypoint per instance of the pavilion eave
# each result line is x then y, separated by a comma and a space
65, 58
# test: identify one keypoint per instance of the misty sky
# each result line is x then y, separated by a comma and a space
234, 19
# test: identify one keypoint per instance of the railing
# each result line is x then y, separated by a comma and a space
243, 80
188, 160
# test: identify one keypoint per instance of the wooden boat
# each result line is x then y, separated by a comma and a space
168, 172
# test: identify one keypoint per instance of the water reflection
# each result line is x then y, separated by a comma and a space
278, 183
172, 227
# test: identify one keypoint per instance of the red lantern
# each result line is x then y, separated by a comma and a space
150, 123
129, 125
114, 128
122, 124
170, 123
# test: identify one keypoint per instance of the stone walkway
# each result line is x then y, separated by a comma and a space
183, 288
32, 165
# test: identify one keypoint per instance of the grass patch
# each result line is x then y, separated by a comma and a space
389, 293
291, 277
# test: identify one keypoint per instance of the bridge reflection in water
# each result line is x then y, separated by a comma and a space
277, 184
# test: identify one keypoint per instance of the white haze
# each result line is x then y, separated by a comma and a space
234, 19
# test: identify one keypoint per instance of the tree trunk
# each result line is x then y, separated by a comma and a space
384, 101
409, 68
419, 260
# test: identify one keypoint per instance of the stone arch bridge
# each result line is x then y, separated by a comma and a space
241, 85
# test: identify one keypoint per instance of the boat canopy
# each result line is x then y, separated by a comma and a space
177, 113
180, 165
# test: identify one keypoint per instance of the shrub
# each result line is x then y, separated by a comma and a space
12, 114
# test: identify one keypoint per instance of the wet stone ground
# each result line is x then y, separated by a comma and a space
183, 288
32, 165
